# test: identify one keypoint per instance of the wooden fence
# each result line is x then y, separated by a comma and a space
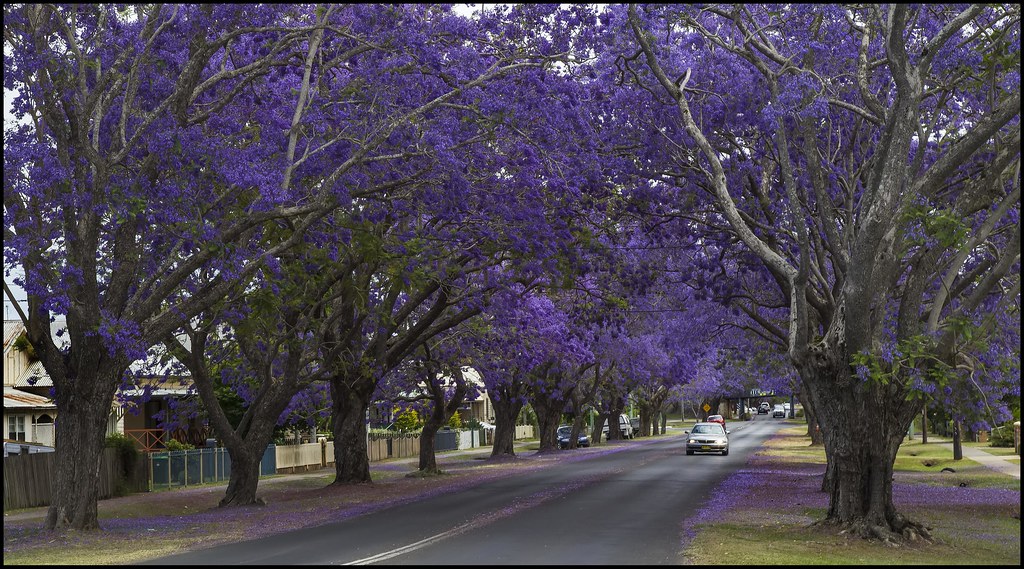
27, 478
381, 447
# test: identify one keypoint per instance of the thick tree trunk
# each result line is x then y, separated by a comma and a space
441, 412
549, 416
428, 454
614, 432
245, 475
646, 418
863, 426
79, 440
349, 406
598, 430
506, 411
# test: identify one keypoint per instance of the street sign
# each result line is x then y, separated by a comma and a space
707, 407
762, 392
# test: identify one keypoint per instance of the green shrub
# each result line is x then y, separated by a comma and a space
178, 445
455, 421
129, 457
472, 424
408, 421
1001, 436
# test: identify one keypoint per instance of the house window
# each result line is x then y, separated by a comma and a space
16, 428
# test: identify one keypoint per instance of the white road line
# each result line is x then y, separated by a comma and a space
408, 548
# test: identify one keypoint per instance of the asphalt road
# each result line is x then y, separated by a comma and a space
624, 507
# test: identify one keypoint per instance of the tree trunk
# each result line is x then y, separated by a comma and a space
79, 440
813, 428
440, 413
506, 411
549, 415
924, 425
614, 432
349, 406
863, 426
245, 475
646, 418
428, 454
598, 430
958, 450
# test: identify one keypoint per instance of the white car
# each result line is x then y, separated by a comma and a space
624, 425
707, 437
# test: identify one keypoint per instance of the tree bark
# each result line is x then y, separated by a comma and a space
549, 415
924, 425
614, 432
864, 426
349, 406
440, 413
79, 439
646, 420
598, 430
245, 475
958, 450
813, 425
506, 411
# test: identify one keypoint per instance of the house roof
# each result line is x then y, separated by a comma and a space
12, 329
152, 366
34, 371
18, 399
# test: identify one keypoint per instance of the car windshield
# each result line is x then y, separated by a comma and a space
564, 431
708, 430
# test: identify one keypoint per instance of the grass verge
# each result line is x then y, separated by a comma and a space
769, 519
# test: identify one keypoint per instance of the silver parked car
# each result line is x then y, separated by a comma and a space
707, 437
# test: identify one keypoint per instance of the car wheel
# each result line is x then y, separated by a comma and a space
725, 452
689, 452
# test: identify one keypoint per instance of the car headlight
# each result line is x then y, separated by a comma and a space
692, 441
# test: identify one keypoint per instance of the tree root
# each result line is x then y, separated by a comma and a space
899, 531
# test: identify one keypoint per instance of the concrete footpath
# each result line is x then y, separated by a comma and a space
999, 463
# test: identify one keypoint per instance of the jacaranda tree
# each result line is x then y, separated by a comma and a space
869, 157
148, 152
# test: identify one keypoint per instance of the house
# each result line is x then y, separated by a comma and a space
28, 415
478, 406
29, 412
